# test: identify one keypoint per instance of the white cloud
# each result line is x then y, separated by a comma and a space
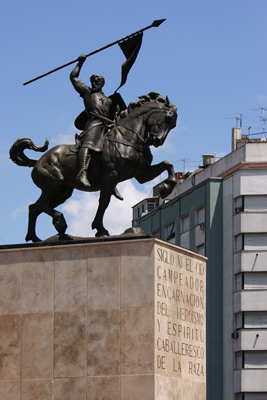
68, 138
65, 138
168, 148
80, 212
15, 213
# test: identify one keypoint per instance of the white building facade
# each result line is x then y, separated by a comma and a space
245, 276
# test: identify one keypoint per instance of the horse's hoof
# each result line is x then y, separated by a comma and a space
102, 233
33, 238
166, 187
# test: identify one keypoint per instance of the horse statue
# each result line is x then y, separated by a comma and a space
126, 154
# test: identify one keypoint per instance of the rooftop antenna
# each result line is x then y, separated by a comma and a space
184, 161
249, 129
262, 118
240, 119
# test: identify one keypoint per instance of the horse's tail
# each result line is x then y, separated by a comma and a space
17, 155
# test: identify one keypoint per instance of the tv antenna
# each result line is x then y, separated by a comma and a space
240, 119
249, 129
262, 118
184, 161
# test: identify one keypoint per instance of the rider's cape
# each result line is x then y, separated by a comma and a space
117, 100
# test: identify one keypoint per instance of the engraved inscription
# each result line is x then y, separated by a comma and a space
180, 315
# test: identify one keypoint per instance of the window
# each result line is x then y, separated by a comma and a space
251, 320
238, 243
185, 231
200, 215
252, 396
255, 203
239, 282
170, 232
184, 224
239, 360
200, 230
145, 206
156, 234
255, 280
251, 359
200, 249
255, 319
150, 206
238, 204
255, 359
251, 281
239, 321
254, 241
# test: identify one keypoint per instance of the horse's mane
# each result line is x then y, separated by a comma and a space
148, 98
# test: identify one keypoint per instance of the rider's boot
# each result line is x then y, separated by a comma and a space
84, 160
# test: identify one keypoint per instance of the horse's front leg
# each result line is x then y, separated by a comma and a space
167, 186
104, 200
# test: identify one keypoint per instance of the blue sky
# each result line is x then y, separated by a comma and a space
209, 57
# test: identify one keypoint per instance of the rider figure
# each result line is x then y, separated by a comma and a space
95, 102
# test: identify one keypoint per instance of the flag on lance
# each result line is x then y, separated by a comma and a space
130, 49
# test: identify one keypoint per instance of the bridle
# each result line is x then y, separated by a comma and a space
119, 126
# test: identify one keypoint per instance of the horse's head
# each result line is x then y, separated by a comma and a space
160, 121
152, 117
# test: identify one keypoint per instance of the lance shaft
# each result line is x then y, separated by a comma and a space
156, 23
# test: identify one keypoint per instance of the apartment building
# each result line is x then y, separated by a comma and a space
220, 211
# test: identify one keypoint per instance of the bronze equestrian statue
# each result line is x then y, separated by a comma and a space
125, 154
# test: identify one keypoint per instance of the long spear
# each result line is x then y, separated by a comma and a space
155, 24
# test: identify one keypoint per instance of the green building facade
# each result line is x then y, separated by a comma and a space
194, 220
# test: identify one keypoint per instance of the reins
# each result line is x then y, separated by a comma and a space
140, 148
108, 121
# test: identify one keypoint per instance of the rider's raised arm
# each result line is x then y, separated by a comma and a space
78, 85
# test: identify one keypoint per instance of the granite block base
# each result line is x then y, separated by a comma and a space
117, 320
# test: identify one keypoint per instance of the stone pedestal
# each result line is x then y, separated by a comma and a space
115, 320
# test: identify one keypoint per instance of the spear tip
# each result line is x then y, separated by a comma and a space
158, 22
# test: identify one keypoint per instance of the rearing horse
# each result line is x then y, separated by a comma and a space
125, 155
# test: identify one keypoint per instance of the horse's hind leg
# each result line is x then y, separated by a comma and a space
46, 203
34, 212
60, 197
